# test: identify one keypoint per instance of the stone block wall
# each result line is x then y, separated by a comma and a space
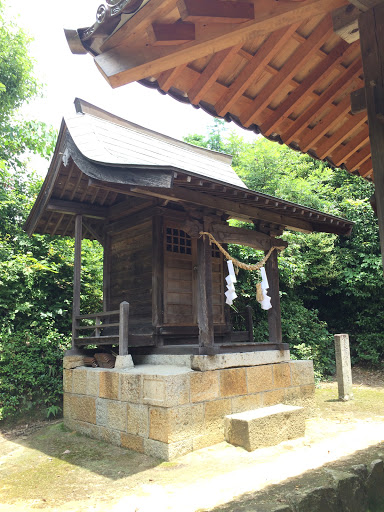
166, 411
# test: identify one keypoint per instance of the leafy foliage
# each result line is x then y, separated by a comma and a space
36, 300
329, 284
18, 86
35, 273
30, 369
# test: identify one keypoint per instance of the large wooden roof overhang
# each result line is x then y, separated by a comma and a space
76, 184
275, 67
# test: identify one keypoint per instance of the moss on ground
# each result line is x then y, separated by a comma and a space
366, 403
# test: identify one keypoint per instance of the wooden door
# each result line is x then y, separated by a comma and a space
180, 279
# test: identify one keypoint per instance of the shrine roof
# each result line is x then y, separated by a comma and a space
110, 140
105, 166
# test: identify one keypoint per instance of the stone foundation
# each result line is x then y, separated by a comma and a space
168, 411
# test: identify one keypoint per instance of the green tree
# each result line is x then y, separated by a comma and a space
35, 273
18, 86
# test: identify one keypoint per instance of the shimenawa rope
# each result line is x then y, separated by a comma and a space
240, 264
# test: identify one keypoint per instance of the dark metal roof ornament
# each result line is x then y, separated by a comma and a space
108, 17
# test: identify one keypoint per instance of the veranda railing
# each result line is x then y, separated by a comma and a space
103, 330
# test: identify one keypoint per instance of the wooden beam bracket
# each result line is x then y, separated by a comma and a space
162, 34
358, 101
215, 11
345, 23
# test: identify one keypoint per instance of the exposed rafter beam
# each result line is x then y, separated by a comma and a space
210, 74
254, 68
366, 169
303, 53
93, 232
345, 152
325, 125
167, 78
358, 158
325, 148
301, 91
75, 208
235, 209
125, 64
336, 88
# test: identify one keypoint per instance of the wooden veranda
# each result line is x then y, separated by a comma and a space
308, 73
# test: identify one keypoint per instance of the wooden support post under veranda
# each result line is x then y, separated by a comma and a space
274, 314
204, 296
371, 25
76, 276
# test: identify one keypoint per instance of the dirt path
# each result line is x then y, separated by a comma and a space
53, 469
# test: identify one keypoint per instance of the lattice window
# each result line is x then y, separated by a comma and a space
178, 241
215, 251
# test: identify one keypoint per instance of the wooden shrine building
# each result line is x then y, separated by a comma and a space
146, 198
306, 73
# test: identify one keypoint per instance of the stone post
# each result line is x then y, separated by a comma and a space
343, 367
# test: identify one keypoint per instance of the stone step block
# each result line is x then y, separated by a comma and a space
267, 426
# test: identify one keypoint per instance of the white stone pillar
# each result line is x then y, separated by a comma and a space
343, 367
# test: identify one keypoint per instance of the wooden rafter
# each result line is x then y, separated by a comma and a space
358, 158
58, 224
354, 122
303, 53
366, 169
167, 78
324, 99
302, 90
254, 68
126, 64
210, 74
324, 125
346, 151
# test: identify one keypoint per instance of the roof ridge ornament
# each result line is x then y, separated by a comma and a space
108, 18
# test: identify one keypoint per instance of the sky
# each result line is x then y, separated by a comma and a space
67, 76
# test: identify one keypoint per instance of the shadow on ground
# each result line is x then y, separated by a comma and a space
352, 484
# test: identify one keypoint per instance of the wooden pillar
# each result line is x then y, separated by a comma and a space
204, 296
76, 276
107, 273
157, 275
123, 328
371, 26
274, 314
249, 322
